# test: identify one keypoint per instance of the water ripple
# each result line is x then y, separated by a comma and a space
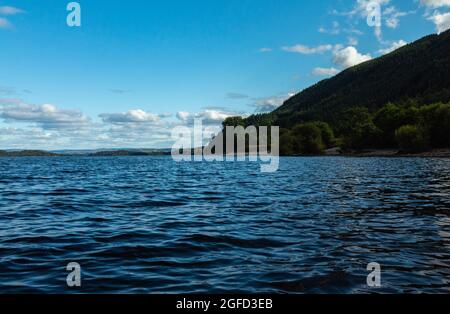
144, 224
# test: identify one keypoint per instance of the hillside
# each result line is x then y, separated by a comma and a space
419, 71
86, 153
398, 101
27, 153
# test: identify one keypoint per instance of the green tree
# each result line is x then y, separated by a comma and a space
358, 130
391, 117
263, 119
308, 138
436, 121
410, 138
287, 144
327, 134
350, 117
233, 121
363, 135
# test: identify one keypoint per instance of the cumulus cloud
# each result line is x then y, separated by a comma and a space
308, 50
213, 116
183, 116
45, 126
325, 71
394, 46
135, 135
94, 137
48, 116
435, 3
32, 138
349, 56
210, 116
441, 20
131, 116
49, 127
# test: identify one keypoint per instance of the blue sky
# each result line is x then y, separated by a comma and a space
135, 69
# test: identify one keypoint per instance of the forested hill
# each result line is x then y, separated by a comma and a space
400, 100
418, 72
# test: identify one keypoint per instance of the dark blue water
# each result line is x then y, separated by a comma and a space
147, 225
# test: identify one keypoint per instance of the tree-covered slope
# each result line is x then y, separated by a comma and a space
418, 72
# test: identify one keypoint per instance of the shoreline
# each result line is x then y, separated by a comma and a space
335, 152
435, 153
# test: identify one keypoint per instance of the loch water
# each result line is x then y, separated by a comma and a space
150, 225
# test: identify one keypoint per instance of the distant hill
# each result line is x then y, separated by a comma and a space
27, 153
398, 101
419, 71
90, 153
130, 153
106, 151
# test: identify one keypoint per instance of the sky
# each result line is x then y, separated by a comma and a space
133, 70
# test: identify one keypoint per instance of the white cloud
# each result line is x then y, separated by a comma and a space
441, 20
308, 50
263, 50
8, 10
133, 135
49, 127
32, 138
325, 71
268, 104
348, 57
92, 137
208, 116
131, 116
47, 116
435, 3
213, 116
394, 46
183, 116
390, 15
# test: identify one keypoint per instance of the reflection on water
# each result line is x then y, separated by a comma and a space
140, 224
